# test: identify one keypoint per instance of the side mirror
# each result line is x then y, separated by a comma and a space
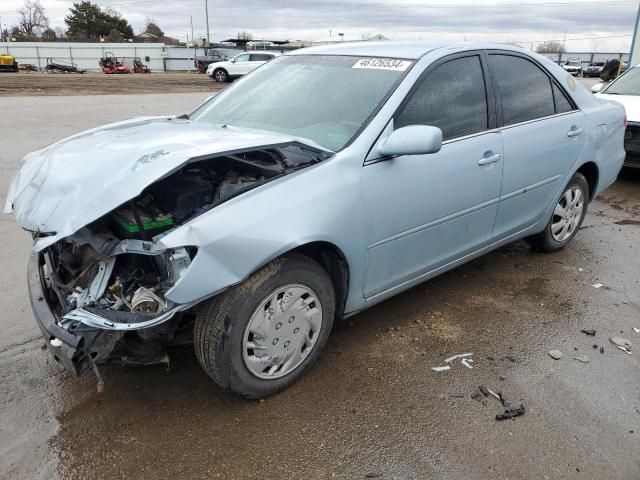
597, 88
412, 140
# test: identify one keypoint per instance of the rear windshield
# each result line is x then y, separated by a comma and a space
325, 98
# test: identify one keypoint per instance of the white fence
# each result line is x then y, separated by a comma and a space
85, 55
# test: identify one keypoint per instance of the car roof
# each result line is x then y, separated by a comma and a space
268, 52
395, 49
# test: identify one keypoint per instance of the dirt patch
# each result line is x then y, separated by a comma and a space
628, 222
91, 83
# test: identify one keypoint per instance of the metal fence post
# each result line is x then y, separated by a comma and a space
38, 55
71, 54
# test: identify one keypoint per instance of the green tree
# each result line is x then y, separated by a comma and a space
115, 36
153, 28
87, 21
49, 35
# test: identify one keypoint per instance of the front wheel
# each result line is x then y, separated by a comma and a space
220, 75
261, 335
567, 217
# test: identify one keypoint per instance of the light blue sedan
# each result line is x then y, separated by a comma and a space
322, 183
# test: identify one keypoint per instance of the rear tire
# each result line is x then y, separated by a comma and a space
258, 337
566, 218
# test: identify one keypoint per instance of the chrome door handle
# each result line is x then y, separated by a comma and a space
492, 159
574, 132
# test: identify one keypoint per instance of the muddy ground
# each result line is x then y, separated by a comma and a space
93, 83
372, 407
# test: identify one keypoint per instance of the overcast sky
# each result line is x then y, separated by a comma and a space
525, 21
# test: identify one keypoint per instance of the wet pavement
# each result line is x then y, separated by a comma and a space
372, 407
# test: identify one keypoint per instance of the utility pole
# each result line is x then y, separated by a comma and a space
191, 28
206, 16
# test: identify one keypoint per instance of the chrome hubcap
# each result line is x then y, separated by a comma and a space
567, 214
282, 331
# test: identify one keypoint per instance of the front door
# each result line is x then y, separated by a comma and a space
426, 211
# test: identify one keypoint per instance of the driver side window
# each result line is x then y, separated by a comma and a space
451, 97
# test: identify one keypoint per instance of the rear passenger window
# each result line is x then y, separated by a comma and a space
260, 57
451, 97
525, 90
562, 102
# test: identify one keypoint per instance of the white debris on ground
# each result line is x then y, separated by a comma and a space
464, 360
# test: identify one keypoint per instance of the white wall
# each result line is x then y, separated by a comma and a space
85, 55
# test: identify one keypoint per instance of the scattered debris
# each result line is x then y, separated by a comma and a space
477, 396
628, 352
457, 395
637, 330
601, 349
511, 413
494, 394
589, 331
621, 343
441, 369
597, 285
555, 354
466, 362
506, 403
484, 390
581, 358
581, 269
461, 355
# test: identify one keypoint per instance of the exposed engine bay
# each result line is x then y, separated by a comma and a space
112, 275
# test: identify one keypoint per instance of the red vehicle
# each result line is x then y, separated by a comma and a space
110, 64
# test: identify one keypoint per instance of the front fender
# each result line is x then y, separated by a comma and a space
319, 203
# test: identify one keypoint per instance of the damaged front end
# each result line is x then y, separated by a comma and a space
100, 294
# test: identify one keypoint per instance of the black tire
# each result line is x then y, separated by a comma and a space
544, 241
220, 325
220, 75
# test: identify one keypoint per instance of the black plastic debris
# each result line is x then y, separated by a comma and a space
601, 349
595, 347
589, 331
477, 396
511, 413
484, 390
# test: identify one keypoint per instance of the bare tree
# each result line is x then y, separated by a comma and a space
246, 36
551, 46
31, 19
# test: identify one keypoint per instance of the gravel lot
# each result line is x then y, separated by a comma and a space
92, 83
372, 407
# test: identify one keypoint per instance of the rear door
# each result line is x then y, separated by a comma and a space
543, 133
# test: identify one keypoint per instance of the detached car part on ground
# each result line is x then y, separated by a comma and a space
290, 199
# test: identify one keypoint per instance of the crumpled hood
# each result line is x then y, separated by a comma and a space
71, 183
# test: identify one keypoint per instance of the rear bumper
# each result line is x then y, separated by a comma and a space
70, 349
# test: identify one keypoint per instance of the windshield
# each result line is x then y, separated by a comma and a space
628, 84
327, 99
574, 63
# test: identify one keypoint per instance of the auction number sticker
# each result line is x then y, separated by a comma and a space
383, 64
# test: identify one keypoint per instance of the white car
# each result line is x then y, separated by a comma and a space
239, 65
626, 91
573, 66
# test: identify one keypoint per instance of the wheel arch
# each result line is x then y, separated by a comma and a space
333, 260
591, 173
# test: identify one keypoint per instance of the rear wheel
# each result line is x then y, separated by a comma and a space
260, 336
220, 75
566, 218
